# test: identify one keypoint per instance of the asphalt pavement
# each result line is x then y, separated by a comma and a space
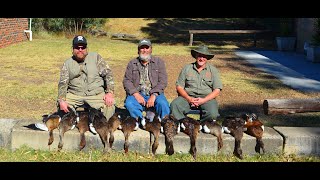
292, 68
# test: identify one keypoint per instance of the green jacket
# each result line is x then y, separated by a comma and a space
91, 77
199, 84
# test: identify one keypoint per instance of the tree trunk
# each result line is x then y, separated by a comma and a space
290, 106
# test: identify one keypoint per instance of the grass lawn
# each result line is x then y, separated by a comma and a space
29, 75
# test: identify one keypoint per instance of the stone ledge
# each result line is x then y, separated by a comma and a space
300, 140
139, 141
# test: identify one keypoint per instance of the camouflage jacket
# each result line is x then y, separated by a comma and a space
91, 77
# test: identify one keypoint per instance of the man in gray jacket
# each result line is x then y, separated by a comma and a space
144, 82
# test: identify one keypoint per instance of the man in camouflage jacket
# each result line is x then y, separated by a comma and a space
86, 78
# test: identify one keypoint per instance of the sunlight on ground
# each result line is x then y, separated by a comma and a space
127, 25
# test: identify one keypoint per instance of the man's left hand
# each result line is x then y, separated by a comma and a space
108, 99
151, 100
198, 101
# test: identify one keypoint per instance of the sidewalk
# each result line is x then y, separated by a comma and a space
291, 68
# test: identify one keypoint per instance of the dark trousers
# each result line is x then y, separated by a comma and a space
179, 107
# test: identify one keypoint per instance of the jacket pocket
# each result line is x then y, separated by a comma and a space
208, 82
154, 75
190, 81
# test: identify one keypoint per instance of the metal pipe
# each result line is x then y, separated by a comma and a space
29, 31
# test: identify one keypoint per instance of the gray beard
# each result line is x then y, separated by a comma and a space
145, 57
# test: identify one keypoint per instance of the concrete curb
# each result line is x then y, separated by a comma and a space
6, 131
24, 134
298, 140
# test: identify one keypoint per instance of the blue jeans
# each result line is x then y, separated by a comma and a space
135, 109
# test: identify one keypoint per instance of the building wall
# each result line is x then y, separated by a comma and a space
305, 30
12, 31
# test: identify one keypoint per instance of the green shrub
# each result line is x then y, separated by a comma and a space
67, 25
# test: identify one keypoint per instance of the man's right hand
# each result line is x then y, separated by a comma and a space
193, 101
63, 106
139, 98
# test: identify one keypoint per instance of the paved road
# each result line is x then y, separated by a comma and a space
291, 68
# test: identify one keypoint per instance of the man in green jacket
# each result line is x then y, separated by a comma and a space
198, 85
86, 78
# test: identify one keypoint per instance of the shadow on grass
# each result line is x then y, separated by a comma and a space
174, 31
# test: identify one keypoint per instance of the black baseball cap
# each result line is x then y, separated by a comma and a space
79, 40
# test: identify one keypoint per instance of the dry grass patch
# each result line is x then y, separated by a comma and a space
128, 25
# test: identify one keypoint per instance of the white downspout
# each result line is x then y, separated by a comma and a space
29, 31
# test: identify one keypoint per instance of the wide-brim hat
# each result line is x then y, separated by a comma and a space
202, 50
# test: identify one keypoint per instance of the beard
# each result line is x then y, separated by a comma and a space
145, 57
80, 56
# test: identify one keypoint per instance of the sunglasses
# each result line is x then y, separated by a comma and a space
78, 47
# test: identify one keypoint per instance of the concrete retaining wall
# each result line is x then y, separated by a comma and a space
139, 141
299, 140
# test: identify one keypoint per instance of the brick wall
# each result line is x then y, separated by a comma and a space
12, 30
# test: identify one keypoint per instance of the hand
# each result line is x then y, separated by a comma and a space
139, 98
63, 106
198, 101
108, 99
192, 101
151, 100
